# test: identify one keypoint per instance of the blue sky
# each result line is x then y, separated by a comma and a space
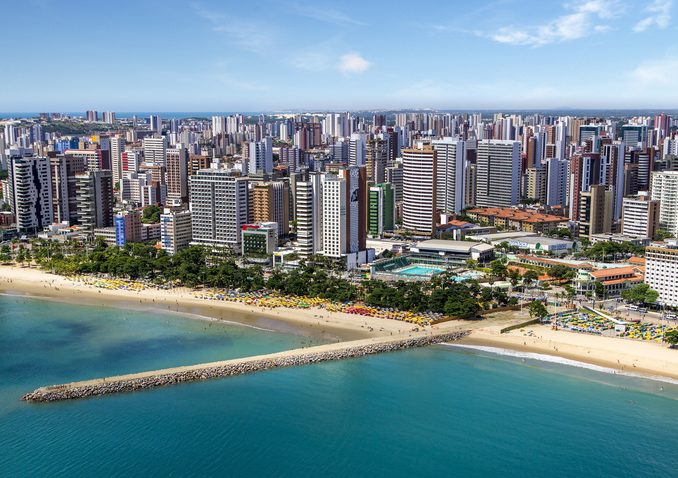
273, 55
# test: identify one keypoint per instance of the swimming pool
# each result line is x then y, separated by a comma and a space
467, 276
420, 270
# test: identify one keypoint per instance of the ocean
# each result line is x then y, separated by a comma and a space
437, 411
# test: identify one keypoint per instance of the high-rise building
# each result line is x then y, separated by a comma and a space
381, 210
585, 171
661, 271
64, 200
339, 152
117, 144
270, 203
640, 217
155, 123
219, 208
308, 211
394, 176
356, 149
177, 173
419, 190
94, 193
109, 117
376, 158
450, 168
556, 182
536, 184
261, 157
95, 159
92, 115
634, 135
344, 210
30, 193
665, 190
155, 150
127, 227
497, 173
175, 230
334, 216
595, 211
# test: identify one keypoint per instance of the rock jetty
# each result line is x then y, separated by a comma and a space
227, 368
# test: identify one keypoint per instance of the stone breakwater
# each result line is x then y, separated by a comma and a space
192, 373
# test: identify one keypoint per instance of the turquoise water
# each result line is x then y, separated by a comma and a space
439, 411
420, 271
467, 276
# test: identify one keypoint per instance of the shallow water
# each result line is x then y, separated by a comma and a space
425, 412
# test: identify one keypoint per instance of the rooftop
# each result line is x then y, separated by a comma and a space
454, 246
514, 214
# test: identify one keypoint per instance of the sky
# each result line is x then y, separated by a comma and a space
205, 55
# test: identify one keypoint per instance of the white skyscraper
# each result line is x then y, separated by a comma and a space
556, 182
419, 190
498, 173
356, 150
219, 208
308, 213
117, 148
261, 156
218, 125
450, 165
665, 190
334, 216
155, 149
155, 123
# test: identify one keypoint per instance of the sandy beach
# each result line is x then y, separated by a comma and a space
642, 357
313, 322
624, 355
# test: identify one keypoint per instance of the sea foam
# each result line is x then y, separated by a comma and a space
560, 361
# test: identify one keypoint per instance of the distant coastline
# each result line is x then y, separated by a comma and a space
561, 111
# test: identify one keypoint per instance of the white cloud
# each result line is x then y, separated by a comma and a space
659, 16
325, 14
246, 35
657, 73
583, 21
353, 63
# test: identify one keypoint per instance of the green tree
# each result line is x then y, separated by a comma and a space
530, 277
471, 264
498, 269
640, 294
671, 337
537, 309
562, 272
151, 214
663, 235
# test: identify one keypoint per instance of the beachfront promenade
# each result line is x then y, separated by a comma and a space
240, 366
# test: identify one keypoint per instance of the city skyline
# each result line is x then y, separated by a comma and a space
308, 56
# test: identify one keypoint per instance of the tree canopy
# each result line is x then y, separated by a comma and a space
640, 294
151, 214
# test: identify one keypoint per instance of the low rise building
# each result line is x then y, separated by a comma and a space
615, 280
516, 218
539, 244
456, 251
259, 239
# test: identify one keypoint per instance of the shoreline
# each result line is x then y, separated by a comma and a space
312, 322
624, 356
